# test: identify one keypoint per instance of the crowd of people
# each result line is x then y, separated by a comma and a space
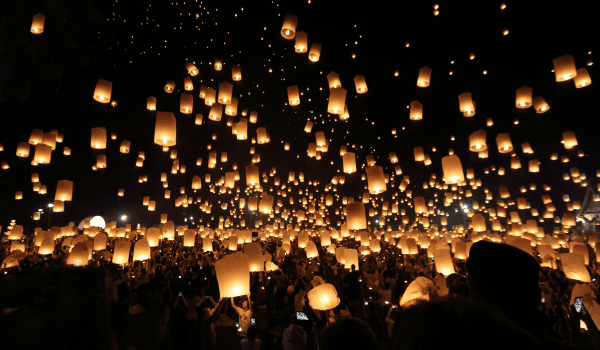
498, 297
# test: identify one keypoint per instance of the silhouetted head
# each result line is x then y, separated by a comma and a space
505, 277
349, 333
461, 322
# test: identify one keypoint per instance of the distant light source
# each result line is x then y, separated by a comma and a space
50, 205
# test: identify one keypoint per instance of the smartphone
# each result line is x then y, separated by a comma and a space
301, 316
543, 300
578, 304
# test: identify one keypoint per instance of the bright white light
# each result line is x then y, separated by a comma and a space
50, 205
97, 221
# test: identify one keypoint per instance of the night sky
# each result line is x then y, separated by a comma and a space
47, 82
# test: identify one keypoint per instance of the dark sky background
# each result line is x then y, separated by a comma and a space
47, 82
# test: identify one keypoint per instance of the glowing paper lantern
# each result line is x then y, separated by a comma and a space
231, 108
141, 250
574, 267
165, 129
37, 25
79, 255
453, 171
191, 68
255, 256
417, 290
121, 253
189, 238
170, 86
477, 141
524, 97
266, 204
569, 140
288, 30
361, 84
337, 100
355, 216
293, 95
416, 110
236, 73
98, 139
64, 190
351, 258
233, 275
186, 103
103, 91
466, 104
375, 179
311, 250
315, 52
207, 244
564, 68
583, 78
323, 297
504, 143
443, 261
216, 112
23, 149
424, 77
540, 105
301, 44
225, 92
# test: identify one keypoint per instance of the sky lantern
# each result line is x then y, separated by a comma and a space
466, 104
233, 275
210, 96
255, 256
534, 166
424, 77
419, 154
417, 290
564, 68
186, 103
569, 140
101, 161
416, 110
375, 179
574, 267
288, 30
191, 68
141, 250
231, 108
188, 85
79, 255
216, 112
478, 222
443, 261
504, 143
50, 140
189, 238
236, 73
207, 244
323, 297
218, 64
103, 91
524, 97
151, 103
301, 44
361, 84
36, 136
37, 24
170, 86
98, 139
64, 190
311, 250
540, 105
121, 252
333, 79
315, 52
453, 170
253, 117
225, 92
477, 141
351, 258
165, 131
355, 216
337, 100
42, 154
308, 126
266, 204
252, 175
23, 149
293, 95
583, 78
